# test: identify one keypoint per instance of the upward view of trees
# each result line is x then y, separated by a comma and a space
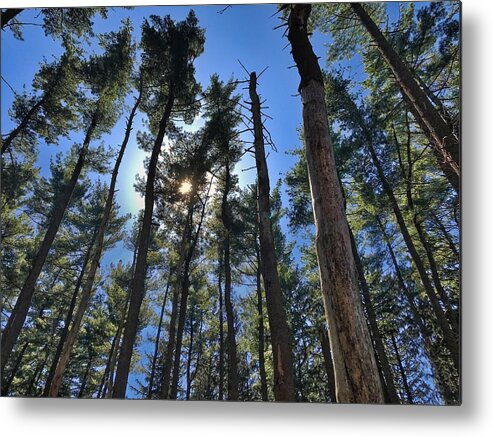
338, 283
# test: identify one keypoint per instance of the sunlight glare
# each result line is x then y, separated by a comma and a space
185, 187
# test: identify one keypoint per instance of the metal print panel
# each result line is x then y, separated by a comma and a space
232, 203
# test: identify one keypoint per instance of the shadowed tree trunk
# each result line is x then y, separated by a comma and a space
355, 367
21, 308
95, 260
138, 282
444, 140
329, 365
393, 398
15, 369
221, 326
279, 330
85, 378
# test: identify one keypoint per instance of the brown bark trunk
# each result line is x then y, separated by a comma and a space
329, 365
279, 330
402, 371
356, 373
84, 379
9, 14
430, 120
381, 354
94, 264
138, 282
21, 308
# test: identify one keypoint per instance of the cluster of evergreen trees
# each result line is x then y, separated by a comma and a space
356, 300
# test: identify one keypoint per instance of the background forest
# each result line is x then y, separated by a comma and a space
232, 203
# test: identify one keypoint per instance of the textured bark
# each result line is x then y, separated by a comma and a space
68, 318
355, 367
329, 365
279, 330
21, 308
382, 358
430, 120
402, 371
138, 280
88, 285
9, 14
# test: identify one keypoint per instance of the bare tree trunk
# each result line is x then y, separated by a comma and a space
85, 378
430, 120
138, 282
329, 365
356, 373
189, 357
9, 14
94, 264
21, 308
279, 330
375, 333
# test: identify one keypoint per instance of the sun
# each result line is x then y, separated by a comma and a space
185, 187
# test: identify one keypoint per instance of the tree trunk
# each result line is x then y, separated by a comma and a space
95, 260
375, 333
402, 371
355, 367
138, 282
189, 358
21, 308
261, 335
446, 235
68, 319
15, 369
430, 120
221, 327
84, 379
329, 365
279, 330
22, 125
9, 14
